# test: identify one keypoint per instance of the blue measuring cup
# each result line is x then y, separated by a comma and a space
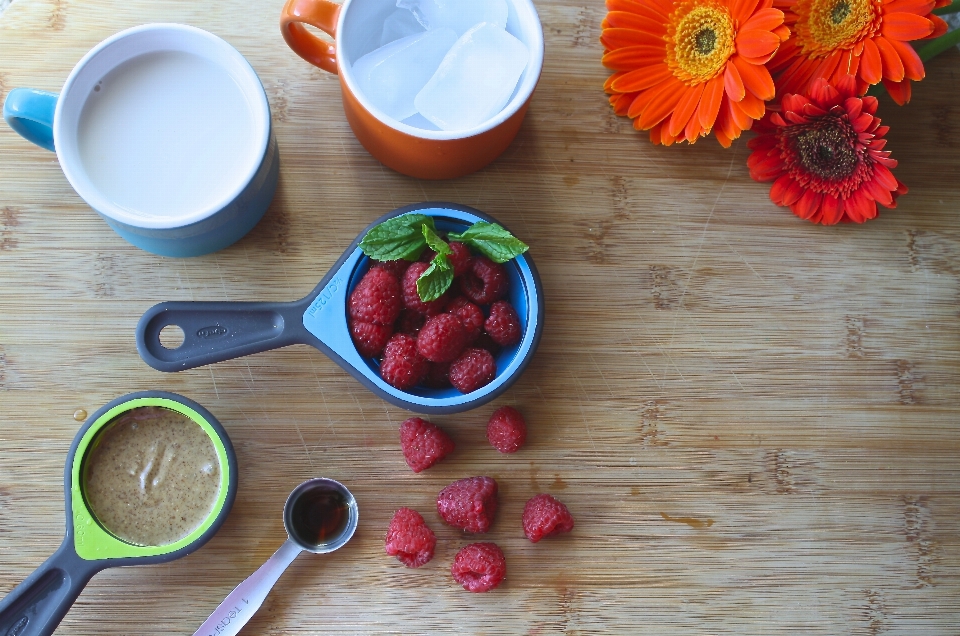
217, 331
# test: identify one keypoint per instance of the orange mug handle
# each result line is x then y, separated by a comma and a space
322, 14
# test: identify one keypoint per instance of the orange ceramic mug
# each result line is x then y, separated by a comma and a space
426, 154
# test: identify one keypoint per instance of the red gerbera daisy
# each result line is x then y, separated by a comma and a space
824, 154
864, 38
685, 68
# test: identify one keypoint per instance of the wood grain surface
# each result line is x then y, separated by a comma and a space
755, 421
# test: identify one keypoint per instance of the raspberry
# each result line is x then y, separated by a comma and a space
438, 377
506, 430
369, 337
469, 503
397, 267
479, 567
473, 369
411, 298
410, 322
423, 444
376, 298
442, 338
402, 366
460, 259
485, 282
544, 516
470, 316
410, 539
502, 324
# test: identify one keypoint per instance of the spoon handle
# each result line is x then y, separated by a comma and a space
243, 602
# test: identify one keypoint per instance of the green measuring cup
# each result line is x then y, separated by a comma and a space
37, 605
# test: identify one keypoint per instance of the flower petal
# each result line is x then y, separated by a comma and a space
614, 39
755, 78
630, 58
900, 92
752, 106
741, 10
871, 68
660, 106
641, 78
685, 109
645, 97
710, 102
808, 204
939, 26
892, 64
732, 83
905, 26
764, 20
625, 20
919, 7
912, 65
832, 209
756, 43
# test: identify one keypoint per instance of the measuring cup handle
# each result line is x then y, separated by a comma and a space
36, 606
322, 14
218, 331
244, 601
30, 113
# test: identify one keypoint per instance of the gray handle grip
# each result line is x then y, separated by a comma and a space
218, 331
36, 606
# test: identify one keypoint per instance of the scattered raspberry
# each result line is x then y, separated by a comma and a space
460, 259
469, 315
397, 267
442, 338
376, 298
438, 377
507, 430
502, 324
469, 503
411, 298
485, 282
423, 443
369, 337
473, 369
410, 322
402, 366
544, 516
409, 539
479, 567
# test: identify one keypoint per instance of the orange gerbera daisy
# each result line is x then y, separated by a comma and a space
686, 67
824, 153
865, 38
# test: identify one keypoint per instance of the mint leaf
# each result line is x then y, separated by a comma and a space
491, 239
436, 279
434, 242
399, 237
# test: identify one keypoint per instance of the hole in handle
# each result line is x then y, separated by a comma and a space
171, 337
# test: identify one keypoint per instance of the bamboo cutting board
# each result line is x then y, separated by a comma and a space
755, 421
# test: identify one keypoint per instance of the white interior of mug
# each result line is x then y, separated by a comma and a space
356, 38
130, 47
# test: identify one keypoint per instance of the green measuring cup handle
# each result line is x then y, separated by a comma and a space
36, 606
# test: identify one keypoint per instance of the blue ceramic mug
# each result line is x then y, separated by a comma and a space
165, 131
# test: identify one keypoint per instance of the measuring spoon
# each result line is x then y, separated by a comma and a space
36, 606
320, 516
217, 331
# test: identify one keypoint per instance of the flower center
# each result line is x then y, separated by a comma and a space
699, 40
826, 25
826, 156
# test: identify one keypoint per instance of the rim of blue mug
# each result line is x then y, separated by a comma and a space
66, 146
528, 81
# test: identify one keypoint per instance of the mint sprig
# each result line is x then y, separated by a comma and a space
399, 237
436, 279
407, 235
492, 240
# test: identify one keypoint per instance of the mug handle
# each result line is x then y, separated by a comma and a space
322, 14
30, 113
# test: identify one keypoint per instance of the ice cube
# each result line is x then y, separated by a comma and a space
391, 76
459, 15
399, 24
475, 79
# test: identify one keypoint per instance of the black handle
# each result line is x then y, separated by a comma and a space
218, 331
36, 606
